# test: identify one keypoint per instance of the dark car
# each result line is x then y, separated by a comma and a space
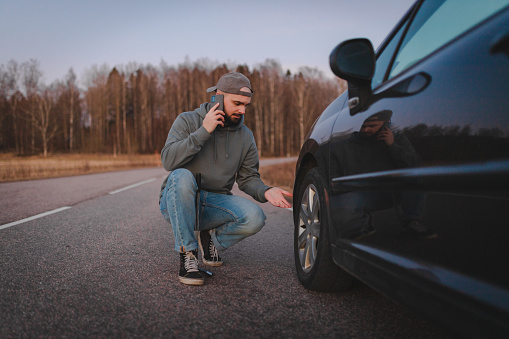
403, 181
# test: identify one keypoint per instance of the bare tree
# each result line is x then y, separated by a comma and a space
258, 114
31, 77
71, 87
115, 84
131, 108
9, 84
271, 101
43, 118
3, 101
300, 102
146, 105
96, 102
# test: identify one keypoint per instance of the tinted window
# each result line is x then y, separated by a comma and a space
437, 23
384, 58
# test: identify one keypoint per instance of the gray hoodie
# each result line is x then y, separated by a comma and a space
226, 155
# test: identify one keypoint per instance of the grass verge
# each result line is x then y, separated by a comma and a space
281, 175
15, 168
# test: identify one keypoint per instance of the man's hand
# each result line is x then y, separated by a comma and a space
386, 136
213, 119
276, 196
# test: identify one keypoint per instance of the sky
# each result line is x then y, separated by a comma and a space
81, 34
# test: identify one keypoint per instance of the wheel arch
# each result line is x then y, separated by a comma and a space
306, 164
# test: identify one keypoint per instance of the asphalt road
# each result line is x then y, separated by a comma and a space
104, 267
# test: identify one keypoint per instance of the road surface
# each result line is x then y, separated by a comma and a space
91, 256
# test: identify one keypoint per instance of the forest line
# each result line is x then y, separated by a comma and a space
129, 110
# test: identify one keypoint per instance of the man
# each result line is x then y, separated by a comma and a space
222, 149
376, 148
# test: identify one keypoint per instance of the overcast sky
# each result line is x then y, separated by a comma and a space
62, 34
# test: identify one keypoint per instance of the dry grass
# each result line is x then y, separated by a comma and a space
281, 175
15, 168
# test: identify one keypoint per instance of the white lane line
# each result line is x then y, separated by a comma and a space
34, 217
132, 186
67, 207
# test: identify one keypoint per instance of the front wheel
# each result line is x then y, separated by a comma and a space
313, 259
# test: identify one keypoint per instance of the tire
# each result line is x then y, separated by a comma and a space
312, 250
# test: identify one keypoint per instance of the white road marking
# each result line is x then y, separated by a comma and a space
132, 186
34, 217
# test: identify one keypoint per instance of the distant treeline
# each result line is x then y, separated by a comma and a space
449, 144
130, 109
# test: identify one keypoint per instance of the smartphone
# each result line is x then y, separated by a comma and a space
386, 125
218, 98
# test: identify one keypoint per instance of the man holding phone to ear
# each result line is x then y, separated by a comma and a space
215, 143
376, 148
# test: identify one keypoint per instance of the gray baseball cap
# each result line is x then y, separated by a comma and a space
232, 83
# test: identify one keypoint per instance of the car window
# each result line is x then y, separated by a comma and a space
384, 58
437, 23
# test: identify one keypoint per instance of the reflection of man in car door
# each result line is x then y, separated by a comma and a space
376, 148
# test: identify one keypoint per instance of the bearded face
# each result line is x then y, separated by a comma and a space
235, 107
370, 129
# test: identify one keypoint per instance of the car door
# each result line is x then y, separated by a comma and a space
442, 77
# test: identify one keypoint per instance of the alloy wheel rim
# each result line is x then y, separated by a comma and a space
309, 228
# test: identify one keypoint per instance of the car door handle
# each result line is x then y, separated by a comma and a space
406, 87
411, 85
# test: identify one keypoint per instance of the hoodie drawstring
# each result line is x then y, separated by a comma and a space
215, 147
227, 143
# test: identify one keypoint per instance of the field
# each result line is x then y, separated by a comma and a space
15, 168
281, 175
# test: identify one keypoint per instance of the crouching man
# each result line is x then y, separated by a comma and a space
216, 144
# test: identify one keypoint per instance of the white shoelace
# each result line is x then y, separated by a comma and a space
213, 251
191, 263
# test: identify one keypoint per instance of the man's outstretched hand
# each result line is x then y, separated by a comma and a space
276, 196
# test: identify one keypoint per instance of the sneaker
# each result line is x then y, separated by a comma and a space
189, 273
419, 230
208, 250
366, 231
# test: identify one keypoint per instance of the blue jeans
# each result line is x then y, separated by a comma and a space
355, 208
410, 203
231, 218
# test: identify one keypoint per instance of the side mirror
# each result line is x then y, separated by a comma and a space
354, 60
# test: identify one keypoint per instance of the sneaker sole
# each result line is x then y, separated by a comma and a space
416, 235
363, 235
212, 263
188, 281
